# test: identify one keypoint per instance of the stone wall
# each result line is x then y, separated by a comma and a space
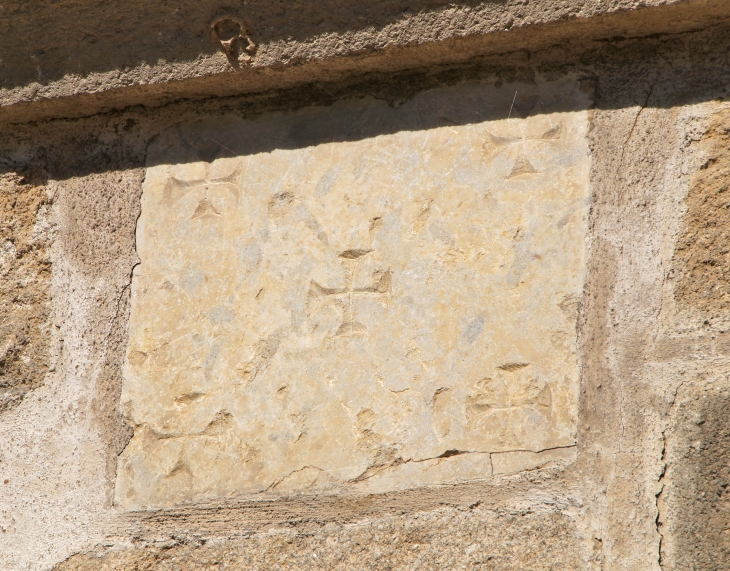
469, 314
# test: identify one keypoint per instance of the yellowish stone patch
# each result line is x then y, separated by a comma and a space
359, 296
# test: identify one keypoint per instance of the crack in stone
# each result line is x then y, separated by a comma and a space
633, 127
665, 464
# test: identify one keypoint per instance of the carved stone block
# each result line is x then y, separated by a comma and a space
358, 297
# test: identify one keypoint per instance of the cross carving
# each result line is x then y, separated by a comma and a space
347, 296
496, 145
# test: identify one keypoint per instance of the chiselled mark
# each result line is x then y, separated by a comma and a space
422, 217
495, 394
553, 133
498, 141
148, 432
285, 205
521, 167
176, 189
230, 183
451, 453
439, 404
372, 443
501, 403
354, 254
249, 453
375, 225
382, 283
137, 358
346, 297
569, 305
367, 439
220, 423
495, 145
349, 326
400, 392
511, 367
279, 203
189, 397
179, 469
205, 210
263, 353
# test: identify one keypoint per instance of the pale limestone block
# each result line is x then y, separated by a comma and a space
335, 298
445, 470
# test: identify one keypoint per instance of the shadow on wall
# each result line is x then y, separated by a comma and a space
79, 37
364, 118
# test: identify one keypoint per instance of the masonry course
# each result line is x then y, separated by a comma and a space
644, 488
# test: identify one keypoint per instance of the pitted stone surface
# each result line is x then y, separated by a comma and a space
357, 296
26, 236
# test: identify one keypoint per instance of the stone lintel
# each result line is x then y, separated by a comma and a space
161, 54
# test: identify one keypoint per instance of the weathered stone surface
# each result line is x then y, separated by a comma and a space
441, 539
645, 490
359, 290
59, 61
694, 502
701, 257
26, 234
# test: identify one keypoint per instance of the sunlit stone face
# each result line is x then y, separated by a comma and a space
357, 297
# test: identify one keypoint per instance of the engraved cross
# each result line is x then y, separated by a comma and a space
496, 145
347, 296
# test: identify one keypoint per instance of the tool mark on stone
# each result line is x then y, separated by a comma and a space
375, 225
205, 210
179, 469
510, 367
569, 305
310, 474
176, 189
263, 353
346, 297
488, 400
439, 405
497, 144
521, 167
189, 397
423, 215
507, 395
354, 254
553, 133
286, 205
221, 421
137, 358
499, 141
